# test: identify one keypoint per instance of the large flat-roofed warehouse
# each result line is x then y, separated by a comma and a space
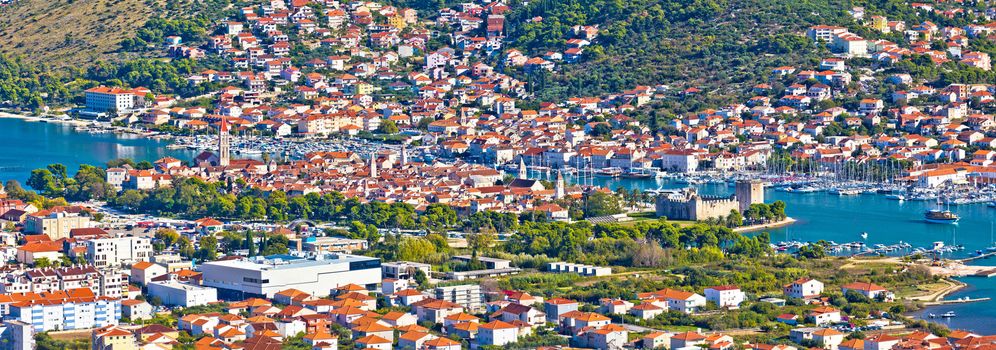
263, 277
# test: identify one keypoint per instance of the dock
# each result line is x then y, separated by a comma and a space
985, 273
955, 301
977, 257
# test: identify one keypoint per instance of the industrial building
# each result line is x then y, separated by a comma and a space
263, 277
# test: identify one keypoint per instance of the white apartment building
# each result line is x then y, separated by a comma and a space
470, 296
725, 296
683, 161
100, 283
804, 288
111, 99
67, 310
114, 252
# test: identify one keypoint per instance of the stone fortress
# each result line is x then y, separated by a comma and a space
687, 204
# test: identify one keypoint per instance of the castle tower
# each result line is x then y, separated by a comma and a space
559, 186
523, 174
373, 165
223, 153
749, 192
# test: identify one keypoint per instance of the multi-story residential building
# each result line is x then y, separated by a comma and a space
55, 224
824, 33
17, 335
676, 300
824, 315
113, 338
101, 283
558, 306
435, 310
263, 277
683, 161
497, 333
469, 296
144, 272
610, 337
111, 99
803, 288
66, 310
725, 296
114, 252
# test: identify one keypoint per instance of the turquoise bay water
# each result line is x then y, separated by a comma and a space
830, 217
978, 317
842, 219
31, 145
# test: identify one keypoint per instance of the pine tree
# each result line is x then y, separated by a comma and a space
249, 243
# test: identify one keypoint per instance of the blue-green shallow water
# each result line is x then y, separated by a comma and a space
30, 145
842, 219
978, 317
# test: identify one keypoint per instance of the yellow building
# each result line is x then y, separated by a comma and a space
397, 21
364, 88
880, 23
113, 338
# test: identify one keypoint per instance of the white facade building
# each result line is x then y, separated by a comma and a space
470, 296
82, 311
111, 99
114, 252
725, 296
583, 270
265, 276
680, 161
180, 294
804, 288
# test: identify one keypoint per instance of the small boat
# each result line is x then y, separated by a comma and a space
896, 196
608, 172
845, 191
864, 235
636, 173
938, 216
932, 315
949, 314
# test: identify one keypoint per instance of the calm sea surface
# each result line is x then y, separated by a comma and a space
30, 145
25, 146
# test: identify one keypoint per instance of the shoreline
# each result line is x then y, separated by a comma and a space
939, 295
753, 228
157, 136
42, 118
